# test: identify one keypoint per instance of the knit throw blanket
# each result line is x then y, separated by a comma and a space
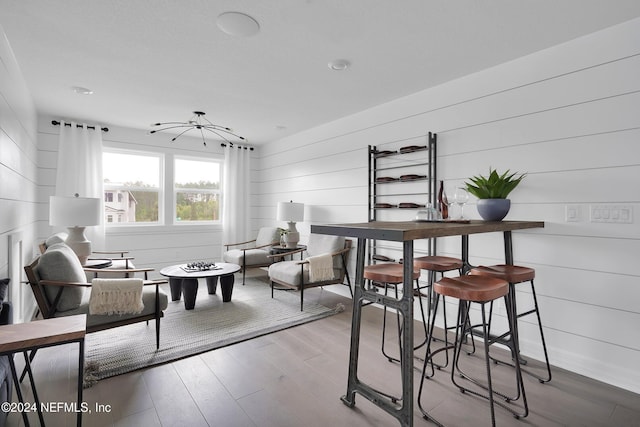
320, 268
116, 296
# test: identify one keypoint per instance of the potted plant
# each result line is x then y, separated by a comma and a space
283, 236
492, 192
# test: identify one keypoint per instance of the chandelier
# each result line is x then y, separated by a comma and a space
199, 122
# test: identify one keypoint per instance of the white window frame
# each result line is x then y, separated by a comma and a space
160, 189
177, 190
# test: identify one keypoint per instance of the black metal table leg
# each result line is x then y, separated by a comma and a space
16, 383
401, 409
349, 399
80, 380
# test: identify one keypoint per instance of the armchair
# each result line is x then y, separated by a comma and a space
296, 274
254, 253
58, 282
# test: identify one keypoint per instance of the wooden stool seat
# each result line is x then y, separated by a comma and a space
387, 273
472, 288
515, 274
510, 273
437, 263
482, 290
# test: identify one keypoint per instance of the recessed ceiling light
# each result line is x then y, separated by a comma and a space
237, 24
82, 90
339, 64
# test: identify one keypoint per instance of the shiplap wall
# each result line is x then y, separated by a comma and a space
152, 245
569, 116
18, 174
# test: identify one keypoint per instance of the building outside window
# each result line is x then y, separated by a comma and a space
197, 190
132, 186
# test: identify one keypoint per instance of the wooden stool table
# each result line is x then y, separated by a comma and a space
24, 337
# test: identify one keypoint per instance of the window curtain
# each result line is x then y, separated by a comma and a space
236, 213
79, 169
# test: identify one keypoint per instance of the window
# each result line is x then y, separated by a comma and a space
196, 189
136, 180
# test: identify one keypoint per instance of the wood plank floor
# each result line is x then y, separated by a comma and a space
296, 377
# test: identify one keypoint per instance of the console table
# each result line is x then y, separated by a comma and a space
405, 232
24, 337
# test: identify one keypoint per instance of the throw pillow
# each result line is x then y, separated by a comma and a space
55, 238
60, 263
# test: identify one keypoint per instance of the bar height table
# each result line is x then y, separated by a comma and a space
405, 232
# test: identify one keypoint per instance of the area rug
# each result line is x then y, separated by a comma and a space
212, 324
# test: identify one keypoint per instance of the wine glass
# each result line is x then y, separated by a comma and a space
460, 198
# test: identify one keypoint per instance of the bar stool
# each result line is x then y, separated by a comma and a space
515, 274
436, 264
390, 275
481, 290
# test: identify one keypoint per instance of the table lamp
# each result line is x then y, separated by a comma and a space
75, 213
291, 212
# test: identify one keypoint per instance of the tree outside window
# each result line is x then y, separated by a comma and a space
197, 190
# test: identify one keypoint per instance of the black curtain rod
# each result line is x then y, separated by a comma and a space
240, 147
56, 123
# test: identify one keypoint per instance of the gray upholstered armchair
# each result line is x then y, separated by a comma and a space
253, 253
59, 282
298, 275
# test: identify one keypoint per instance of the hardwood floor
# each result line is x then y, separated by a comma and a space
296, 377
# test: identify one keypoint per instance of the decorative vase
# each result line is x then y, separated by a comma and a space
291, 239
493, 209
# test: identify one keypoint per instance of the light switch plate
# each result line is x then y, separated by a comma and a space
613, 214
573, 213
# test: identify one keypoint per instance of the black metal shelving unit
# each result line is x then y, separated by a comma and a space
386, 169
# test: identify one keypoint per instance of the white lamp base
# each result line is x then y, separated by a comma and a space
292, 237
79, 243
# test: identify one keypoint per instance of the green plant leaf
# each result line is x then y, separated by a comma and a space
494, 186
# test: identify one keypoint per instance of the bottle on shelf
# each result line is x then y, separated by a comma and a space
443, 205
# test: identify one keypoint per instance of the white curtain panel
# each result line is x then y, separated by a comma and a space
80, 170
236, 213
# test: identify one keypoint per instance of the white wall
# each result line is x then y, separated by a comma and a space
17, 178
152, 246
569, 117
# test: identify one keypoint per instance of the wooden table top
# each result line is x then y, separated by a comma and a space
41, 333
400, 231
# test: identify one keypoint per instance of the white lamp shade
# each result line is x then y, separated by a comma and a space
74, 211
290, 212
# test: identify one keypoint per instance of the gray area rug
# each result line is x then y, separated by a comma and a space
212, 324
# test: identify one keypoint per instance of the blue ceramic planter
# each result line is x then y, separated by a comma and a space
493, 209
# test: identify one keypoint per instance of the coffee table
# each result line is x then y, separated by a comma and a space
183, 281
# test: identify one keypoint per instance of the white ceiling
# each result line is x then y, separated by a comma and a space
159, 60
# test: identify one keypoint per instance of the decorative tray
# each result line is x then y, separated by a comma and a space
200, 266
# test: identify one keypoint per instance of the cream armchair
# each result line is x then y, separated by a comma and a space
298, 275
253, 253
